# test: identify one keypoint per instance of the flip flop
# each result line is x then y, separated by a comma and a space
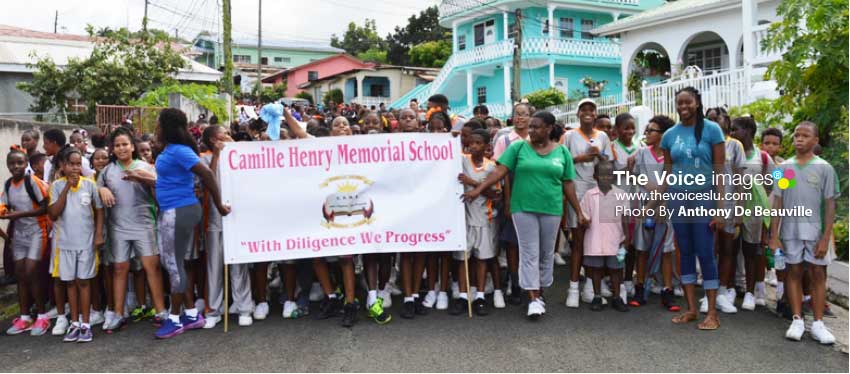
684, 318
706, 324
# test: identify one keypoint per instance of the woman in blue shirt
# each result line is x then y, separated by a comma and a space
179, 213
694, 147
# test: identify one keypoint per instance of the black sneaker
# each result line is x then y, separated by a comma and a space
516, 296
349, 316
419, 309
458, 306
618, 305
408, 310
639, 299
330, 308
667, 300
479, 306
597, 305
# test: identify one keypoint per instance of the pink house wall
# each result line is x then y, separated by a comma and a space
325, 67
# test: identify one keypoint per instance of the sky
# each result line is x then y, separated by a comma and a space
304, 20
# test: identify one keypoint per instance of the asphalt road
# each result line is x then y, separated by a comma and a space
563, 340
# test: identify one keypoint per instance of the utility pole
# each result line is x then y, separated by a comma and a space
260, 49
145, 18
517, 62
227, 79
56, 22
176, 34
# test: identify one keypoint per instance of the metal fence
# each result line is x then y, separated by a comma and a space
610, 105
143, 118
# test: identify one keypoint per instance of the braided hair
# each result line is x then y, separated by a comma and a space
700, 113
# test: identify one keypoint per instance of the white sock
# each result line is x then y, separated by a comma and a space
416, 296
807, 298
75, 323
192, 312
331, 296
463, 295
174, 318
409, 299
371, 297
86, 326
41, 316
780, 290
573, 285
479, 295
26, 317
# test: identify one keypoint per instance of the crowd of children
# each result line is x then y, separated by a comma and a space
131, 229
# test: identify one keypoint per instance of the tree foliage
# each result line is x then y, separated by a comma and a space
813, 72
334, 95
206, 95
546, 97
118, 70
273, 93
420, 29
433, 54
376, 55
306, 96
358, 39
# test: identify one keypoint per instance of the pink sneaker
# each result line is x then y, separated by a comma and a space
19, 326
40, 327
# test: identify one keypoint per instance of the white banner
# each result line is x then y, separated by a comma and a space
336, 196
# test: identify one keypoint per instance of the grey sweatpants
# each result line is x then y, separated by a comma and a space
176, 234
536, 234
240, 284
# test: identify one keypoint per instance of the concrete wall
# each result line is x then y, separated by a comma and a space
11, 98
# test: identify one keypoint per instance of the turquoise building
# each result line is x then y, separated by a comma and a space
558, 50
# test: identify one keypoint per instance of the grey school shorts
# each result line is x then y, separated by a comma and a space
797, 251
609, 262
481, 241
76, 264
123, 250
581, 189
28, 246
643, 238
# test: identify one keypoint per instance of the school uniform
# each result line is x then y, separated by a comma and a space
481, 224
73, 232
605, 234
578, 143
734, 160
132, 222
757, 163
30, 234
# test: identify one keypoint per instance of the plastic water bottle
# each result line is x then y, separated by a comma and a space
779, 260
768, 255
649, 223
621, 254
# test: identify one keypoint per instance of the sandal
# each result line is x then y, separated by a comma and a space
709, 323
684, 318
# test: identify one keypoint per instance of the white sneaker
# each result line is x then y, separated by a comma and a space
316, 293
624, 295
541, 305
245, 319
703, 305
731, 295
725, 305
211, 321
630, 288
275, 283
430, 299
455, 290
387, 296
442, 301
604, 290
261, 311
52, 313
488, 286
61, 326
656, 288
572, 295
749, 302
820, 333
796, 330
559, 260
200, 305
587, 292
771, 277
96, 317
535, 309
498, 299
393, 289
678, 291
109, 316
760, 294
289, 309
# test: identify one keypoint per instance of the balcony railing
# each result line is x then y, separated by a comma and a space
576, 47
760, 54
449, 8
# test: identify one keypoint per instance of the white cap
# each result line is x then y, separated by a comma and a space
586, 101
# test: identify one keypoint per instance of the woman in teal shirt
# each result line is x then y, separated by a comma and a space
543, 175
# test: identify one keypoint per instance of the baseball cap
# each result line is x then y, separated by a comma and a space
586, 101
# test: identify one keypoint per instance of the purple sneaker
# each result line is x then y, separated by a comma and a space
73, 334
190, 323
85, 335
169, 329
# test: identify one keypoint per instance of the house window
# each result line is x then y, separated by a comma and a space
709, 58
264, 60
461, 42
586, 26
566, 28
282, 59
376, 90
242, 59
482, 95
312, 75
485, 32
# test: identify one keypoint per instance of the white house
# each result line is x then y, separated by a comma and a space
720, 37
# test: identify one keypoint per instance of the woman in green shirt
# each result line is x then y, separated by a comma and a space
543, 175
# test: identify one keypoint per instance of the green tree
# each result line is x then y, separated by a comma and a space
813, 72
431, 54
206, 95
273, 93
118, 70
545, 98
334, 95
419, 29
306, 96
358, 39
374, 55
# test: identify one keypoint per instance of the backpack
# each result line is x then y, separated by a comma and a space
27, 186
